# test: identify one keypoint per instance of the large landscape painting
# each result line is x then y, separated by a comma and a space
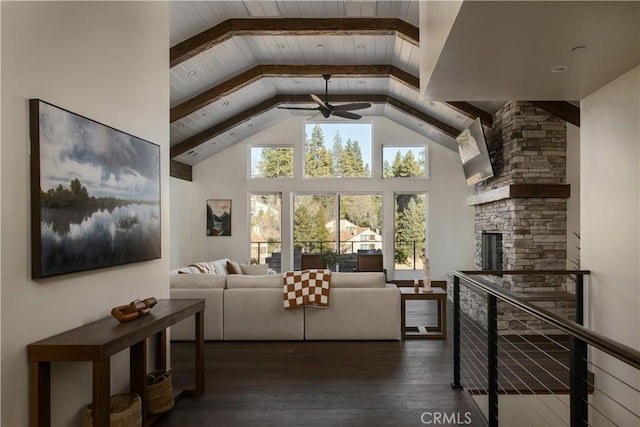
95, 194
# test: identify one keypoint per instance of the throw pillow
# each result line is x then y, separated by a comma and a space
233, 267
255, 269
220, 266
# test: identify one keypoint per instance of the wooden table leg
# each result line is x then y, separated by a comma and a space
161, 350
403, 321
439, 304
199, 343
138, 371
101, 392
444, 317
40, 394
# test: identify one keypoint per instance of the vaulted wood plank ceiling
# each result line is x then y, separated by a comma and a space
233, 62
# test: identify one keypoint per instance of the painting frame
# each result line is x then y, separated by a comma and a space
95, 194
219, 217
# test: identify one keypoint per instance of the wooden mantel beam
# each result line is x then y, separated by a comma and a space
264, 106
243, 79
290, 27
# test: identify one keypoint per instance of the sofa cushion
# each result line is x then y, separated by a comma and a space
358, 280
255, 269
240, 281
220, 266
197, 281
233, 267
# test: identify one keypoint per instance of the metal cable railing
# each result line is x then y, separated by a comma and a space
526, 365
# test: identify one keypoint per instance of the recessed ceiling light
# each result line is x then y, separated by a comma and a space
320, 46
180, 125
231, 133
280, 46
578, 48
250, 125
433, 104
191, 73
419, 124
559, 69
361, 82
204, 114
458, 116
225, 103
297, 82
361, 46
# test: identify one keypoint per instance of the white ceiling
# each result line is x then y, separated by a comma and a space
505, 50
493, 51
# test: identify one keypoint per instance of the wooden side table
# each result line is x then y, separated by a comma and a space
436, 331
97, 341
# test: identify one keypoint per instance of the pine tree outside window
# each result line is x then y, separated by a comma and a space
271, 162
338, 150
410, 227
404, 162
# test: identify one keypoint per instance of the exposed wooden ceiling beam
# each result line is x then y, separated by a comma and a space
290, 27
561, 109
180, 170
472, 111
262, 107
243, 79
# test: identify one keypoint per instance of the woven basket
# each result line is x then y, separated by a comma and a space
159, 392
124, 411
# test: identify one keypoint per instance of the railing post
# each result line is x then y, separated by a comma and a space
456, 333
578, 397
492, 362
580, 299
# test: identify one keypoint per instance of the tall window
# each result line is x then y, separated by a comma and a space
357, 229
410, 230
271, 162
404, 162
266, 237
338, 150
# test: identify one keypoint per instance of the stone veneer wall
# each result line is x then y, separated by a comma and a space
530, 148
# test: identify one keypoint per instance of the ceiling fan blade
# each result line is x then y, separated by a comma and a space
299, 108
319, 113
352, 106
347, 115
319, 101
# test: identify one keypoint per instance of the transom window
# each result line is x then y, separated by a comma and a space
338, 150
404, 162
271, 162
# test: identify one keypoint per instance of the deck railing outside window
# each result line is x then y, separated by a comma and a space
270, 252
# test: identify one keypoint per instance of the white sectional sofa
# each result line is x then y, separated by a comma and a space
251, 308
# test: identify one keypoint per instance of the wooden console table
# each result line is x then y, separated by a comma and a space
97, 341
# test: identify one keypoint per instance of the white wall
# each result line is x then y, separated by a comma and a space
180, 222
573, 203
107, 61
224, 175
610, 216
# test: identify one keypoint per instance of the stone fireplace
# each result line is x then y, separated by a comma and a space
525, 204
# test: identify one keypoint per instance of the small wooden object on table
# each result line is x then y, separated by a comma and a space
435, 294
97, 341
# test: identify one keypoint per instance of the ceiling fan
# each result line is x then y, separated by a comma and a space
326, 109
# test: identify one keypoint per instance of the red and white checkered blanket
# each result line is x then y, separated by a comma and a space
306, 287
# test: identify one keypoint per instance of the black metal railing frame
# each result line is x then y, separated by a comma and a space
581, 337
331, 244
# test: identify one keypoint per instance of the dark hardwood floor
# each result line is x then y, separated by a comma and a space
323, 383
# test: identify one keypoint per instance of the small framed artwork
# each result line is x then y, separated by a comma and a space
95, 194
219, 217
